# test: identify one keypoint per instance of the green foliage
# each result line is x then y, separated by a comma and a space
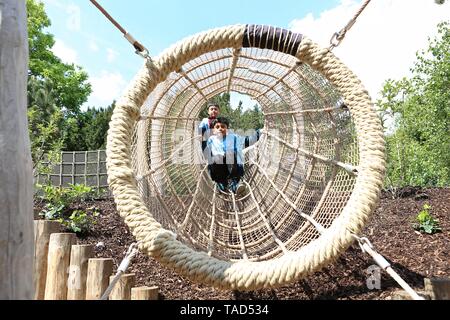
96, 128
89, 130
52, 195
80, 221
65, 196
56, 91
52, 212
59, 203
45, 123
72, 87
79, 192
239, 119
425, 222
418, 149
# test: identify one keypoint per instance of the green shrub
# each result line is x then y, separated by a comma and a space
52, 195
52, 212
80, 221
416, 115
58, 203
425, 222
80, 192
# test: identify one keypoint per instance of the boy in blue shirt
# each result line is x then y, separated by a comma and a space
224, 151
204, 128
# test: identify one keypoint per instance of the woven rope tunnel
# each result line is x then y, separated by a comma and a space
312, 179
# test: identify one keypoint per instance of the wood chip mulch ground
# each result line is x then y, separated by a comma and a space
413, 255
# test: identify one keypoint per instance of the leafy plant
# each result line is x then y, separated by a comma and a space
65, 196
52, 212
80, 221
425, 222
99, 193
59, 202
79, 192
53, 195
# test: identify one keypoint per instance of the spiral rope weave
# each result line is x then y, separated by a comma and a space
328, 164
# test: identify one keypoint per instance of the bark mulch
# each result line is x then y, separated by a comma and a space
413, 255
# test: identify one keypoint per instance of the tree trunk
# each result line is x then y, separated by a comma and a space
16, 185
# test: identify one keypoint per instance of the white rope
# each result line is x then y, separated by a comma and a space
195, 265
239, 228
365, 244
131, 253
346, 166
264, 219
163, 163
196, 192
213, 217
368, 248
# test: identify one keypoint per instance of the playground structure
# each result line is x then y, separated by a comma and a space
306, 204
308, 200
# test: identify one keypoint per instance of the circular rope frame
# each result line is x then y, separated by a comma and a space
162, 244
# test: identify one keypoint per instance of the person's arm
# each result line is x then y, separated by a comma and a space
207, 151
202, 127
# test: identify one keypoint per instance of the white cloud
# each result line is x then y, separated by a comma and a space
93, 46
106, 87
72, 12
65, 53
383, 42
111, 55
73, 21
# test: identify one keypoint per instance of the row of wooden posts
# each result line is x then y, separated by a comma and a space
66, 271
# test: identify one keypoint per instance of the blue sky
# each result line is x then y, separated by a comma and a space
85, 37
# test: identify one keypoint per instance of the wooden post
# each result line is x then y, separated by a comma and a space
16, 189
145, 293
58, 265
99, 271
42, 231
122, 289
438, 289
79, 257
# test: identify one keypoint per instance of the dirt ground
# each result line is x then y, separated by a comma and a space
412, 254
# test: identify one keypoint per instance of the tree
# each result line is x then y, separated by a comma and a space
96, 127
45, 122
418, 150
56, 91
239, 119
72, 88
88, 130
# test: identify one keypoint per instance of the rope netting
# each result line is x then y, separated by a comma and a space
320, 158
304, 116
